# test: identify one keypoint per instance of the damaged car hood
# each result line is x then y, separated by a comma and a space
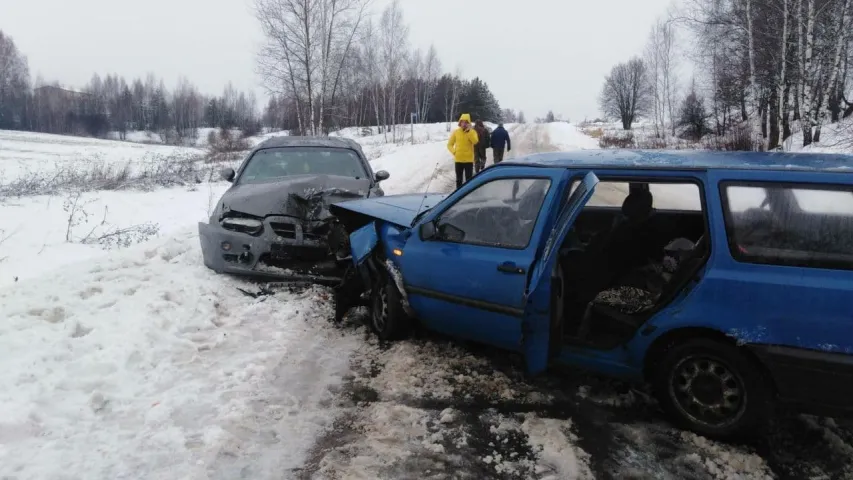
306, 197
397, 209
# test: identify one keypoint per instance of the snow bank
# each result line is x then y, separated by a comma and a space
834, 138
423, 133
146, 365
35, 228
567, 136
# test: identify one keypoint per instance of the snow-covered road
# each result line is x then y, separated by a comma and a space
142, 364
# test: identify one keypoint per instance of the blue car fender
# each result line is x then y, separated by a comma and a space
362, 243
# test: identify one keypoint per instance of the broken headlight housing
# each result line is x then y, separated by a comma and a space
251, 226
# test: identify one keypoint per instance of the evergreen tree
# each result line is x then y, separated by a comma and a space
479, 101
693, 115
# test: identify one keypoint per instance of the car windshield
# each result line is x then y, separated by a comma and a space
273, 163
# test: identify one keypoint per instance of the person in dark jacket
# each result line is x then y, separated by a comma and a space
482, 145
500, 141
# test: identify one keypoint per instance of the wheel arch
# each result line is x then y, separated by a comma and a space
662, 344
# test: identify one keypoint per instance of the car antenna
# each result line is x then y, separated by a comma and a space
426, 192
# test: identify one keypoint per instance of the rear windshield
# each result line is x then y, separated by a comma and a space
800, 225
273, 163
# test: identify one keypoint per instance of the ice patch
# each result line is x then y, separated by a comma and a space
723, 462
557, 450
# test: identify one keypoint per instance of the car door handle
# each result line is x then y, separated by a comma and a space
510, 267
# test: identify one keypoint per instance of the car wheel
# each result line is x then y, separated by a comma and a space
712, 388
388, 317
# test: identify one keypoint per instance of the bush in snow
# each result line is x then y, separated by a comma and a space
616, 141
114, 237
106, 235
157, 171
224, 146
739, 139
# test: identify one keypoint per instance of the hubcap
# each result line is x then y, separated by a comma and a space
380, 310
708, 391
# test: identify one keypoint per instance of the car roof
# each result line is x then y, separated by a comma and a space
329, 142
688, 160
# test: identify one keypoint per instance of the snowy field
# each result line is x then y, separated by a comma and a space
134, 361
26, 153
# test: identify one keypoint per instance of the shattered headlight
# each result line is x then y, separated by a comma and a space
251, 226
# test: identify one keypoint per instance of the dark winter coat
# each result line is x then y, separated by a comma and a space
483, 133
500, 139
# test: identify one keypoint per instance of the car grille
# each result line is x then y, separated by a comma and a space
318, 233
298, 253
284, 230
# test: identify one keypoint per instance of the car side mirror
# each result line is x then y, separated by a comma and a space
382, 175
428, 231
227, 174
450, 233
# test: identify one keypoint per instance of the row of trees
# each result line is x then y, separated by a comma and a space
779, 66
326, 64
114, 104
329, 64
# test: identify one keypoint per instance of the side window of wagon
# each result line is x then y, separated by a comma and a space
500, 213
791, 225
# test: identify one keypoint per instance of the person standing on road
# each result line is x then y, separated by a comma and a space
500, 141
462, 143
482, 145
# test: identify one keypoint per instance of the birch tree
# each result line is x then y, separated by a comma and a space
393, 49
661, 63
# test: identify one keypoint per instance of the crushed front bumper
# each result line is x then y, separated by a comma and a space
283, 251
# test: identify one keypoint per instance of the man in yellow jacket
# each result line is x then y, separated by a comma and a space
461, 145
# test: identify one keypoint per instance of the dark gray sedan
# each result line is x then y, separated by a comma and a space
274, 222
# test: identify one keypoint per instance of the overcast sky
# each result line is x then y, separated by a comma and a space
534, 54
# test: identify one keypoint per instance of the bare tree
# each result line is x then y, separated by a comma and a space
14, 84
660, 58
451, 97
432, 72
307, 44
626, 94
393, 50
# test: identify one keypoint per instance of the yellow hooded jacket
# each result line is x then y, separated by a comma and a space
461, 143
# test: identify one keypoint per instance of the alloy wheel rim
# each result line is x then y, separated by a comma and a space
380, 310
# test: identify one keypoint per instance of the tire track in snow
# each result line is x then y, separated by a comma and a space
431, 408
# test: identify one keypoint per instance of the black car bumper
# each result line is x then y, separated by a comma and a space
810, 381
277, 253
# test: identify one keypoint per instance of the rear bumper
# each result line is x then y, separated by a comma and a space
810, 381
248, 255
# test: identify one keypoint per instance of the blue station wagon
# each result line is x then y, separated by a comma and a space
724, 280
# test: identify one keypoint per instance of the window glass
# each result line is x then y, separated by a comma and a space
794, 226
274, 163
666, 196
500, 213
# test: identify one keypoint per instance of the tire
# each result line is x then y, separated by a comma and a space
388, 317
712, 388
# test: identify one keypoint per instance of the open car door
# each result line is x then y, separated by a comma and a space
536, 325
